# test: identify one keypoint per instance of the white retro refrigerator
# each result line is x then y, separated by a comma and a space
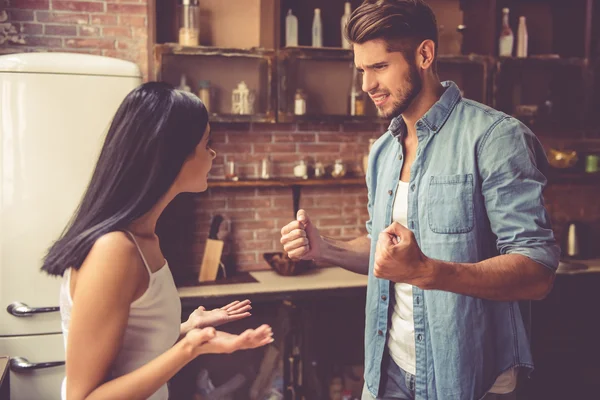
55, 109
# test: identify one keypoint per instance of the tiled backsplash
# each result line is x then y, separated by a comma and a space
255, 216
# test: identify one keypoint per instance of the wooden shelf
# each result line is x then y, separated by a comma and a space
286, 182
316, 53
465, 59
537, 61
233, 118
334, 119
177, 49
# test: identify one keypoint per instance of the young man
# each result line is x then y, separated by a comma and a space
457, 233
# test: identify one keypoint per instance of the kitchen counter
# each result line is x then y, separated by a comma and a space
271, 286
593, 266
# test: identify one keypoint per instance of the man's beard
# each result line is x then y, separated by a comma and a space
405, 98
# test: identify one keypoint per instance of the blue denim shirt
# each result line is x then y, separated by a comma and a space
475, 192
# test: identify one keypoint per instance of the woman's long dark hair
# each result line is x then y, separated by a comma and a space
152, 133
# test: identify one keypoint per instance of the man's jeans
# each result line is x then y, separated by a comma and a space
400, 385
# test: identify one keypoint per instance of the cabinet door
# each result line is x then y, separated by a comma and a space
481, 20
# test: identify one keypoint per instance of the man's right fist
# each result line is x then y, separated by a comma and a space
301, 239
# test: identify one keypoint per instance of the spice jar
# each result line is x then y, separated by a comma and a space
300, 102
301, 170
204, 93
189, 26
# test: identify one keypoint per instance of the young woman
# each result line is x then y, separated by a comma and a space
120, 308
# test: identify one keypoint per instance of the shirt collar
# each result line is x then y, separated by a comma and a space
435, 117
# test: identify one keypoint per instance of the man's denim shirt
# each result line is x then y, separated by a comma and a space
475, 192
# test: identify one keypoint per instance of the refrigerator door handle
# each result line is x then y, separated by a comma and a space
20, 364
19, 309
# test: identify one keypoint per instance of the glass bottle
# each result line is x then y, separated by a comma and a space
522, 38
189, 27
356, 100
344, 21
317, 29
204, 93
291, 29
507, 38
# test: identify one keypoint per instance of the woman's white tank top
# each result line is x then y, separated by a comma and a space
152, 328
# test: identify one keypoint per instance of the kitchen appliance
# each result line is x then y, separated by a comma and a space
55, 109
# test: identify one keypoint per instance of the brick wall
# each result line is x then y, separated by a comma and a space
113, 28
254, 216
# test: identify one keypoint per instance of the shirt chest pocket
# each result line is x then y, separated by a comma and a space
450, 203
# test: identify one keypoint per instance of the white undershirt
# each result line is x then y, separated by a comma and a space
401, 339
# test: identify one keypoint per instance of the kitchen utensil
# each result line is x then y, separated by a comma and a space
212, 252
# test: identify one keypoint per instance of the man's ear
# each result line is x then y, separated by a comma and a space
426, 54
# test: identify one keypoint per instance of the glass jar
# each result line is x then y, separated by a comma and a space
204, 93
300, 102
189, 25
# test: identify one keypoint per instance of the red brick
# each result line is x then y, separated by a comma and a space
260, 138
318, 126
81, 6
231, 126
141, 9
274, 148
305, 148
60, 30
86, 30
263, 245
134, 21
336, 137
62, 17
104, 19
32, 4
294, 138
270, 127
141, 33
32, 29
275, 213
43, 41
20, 15
239, 215
246, 258
252, 225
245, 203
120, 31
272, 235
90, 43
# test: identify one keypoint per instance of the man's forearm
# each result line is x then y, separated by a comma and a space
352, 255
510, 277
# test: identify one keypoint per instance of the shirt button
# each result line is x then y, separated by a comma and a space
383, 297
412, 187
390, 192
419, 124
412, 225
417, 300
380, 333
400, 157
419, 337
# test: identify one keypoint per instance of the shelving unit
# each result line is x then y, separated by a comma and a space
224, 68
